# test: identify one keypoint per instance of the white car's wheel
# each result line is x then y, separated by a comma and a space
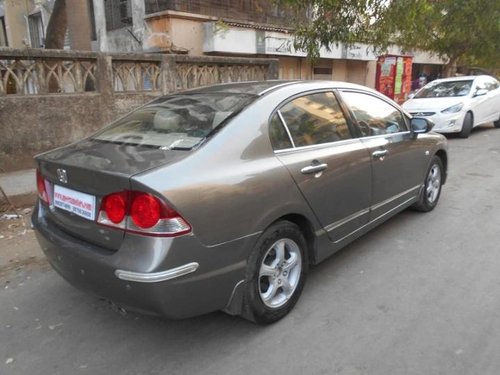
466, 126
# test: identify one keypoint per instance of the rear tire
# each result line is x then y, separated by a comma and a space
497, 123
433, 182
466, 126
276, 273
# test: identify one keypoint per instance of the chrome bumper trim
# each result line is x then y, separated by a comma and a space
157, 277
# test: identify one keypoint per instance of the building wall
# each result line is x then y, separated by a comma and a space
69, 104
15, 23
187, 34
339, 70
356, 72
371, 72
190, 28
120, 40
294, 68
16, 13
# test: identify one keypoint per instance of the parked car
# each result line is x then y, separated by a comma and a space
220, 198
458, 104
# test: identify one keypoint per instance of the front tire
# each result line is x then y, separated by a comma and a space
497, 123
276, 273
431, 192
466, 126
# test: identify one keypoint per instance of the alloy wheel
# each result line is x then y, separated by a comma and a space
433, 184
279, 273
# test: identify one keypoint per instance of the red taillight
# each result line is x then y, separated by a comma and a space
40, 184
143, 213
145, 210
115, 207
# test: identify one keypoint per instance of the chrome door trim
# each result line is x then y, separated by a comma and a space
318, 146
285, 125
395, 197
157, 277
369, 137
349, 218
377, 218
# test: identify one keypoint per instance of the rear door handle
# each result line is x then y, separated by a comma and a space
315, 168
379, 154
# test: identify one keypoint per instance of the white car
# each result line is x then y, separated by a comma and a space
458, 104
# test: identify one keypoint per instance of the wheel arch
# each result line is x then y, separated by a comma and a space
306, 227
441, 154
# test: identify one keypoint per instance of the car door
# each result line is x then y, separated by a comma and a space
493, 99
397, 167
480, 103
313, 139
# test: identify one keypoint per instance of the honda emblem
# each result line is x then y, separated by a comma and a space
62, 176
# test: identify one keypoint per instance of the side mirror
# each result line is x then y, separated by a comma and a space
480, 92
411, 95
421, 125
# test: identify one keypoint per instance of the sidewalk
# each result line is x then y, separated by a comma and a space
20, 187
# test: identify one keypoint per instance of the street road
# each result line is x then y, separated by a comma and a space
418, 295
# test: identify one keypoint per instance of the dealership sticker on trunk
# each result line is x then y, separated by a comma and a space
80, 204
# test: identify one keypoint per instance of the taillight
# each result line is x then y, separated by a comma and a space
145, 210
42, 190
115, 207
139, 212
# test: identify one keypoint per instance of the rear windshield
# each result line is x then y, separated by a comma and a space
445, 89
175, 122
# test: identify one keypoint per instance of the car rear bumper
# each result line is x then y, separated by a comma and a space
191, 279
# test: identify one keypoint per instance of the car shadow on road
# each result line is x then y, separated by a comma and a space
481, 129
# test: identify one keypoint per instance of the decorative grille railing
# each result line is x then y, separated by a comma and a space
36, 76
193, 75
136, 76
37, 72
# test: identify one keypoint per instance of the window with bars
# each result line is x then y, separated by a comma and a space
118, 13
3, 33
259, 11
37, 36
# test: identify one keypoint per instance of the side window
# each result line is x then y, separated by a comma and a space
491, 84
315, 119
374, 116
279, 137
480, 84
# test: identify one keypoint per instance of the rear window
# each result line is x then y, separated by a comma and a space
445, 89
175, 122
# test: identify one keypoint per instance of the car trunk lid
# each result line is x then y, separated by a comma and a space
79, 176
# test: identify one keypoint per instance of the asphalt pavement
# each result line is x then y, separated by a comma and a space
417, 295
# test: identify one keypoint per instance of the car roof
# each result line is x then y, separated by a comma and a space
261, 88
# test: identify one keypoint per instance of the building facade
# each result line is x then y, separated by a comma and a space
245, 28
23, 23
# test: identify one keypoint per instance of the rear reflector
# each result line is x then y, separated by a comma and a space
139, 212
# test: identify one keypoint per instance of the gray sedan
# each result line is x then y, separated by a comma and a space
220, 198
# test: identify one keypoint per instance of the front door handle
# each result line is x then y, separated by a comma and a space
380, 154
315, 168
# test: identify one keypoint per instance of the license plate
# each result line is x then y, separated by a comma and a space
80, 204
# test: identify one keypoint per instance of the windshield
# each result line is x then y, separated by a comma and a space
445, 89
175, 122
